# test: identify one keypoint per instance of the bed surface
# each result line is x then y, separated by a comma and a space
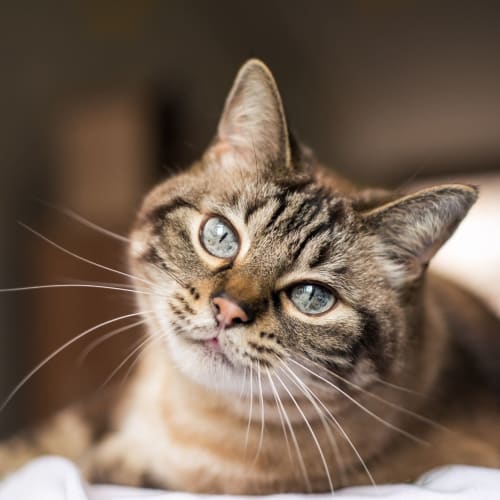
55, 478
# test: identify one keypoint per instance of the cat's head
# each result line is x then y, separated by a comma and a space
255, 255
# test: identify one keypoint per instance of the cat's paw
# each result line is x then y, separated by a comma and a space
118, 460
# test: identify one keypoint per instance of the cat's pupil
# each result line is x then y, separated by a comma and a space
219, 239
310, 298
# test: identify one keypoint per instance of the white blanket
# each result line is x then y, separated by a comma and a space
54, 478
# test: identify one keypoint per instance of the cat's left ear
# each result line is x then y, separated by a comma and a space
253, 129
411, 229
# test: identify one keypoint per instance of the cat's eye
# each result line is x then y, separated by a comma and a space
311, 298
219, 238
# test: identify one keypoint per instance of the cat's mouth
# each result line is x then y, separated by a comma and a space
213, 344
211, 347
214, 348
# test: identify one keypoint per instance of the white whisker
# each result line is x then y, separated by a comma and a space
77, 285
105, 337
84, 221
134, 362
83, 259
60, 349
362, 407
282, 421
243, 383
132, 286
294, 437
250, 411
262, 413
344, 433
324, 421
109, 283
117, 369
311, 431
395, 406
399, 387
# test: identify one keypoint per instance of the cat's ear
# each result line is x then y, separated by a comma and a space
253, 129
411, 229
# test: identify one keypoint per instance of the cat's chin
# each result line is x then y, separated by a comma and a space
207, 363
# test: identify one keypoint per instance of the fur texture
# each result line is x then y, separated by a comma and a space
287, 400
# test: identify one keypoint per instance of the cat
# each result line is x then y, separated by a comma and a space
297, 342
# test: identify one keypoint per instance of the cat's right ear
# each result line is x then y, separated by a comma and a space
411, 229
252, 129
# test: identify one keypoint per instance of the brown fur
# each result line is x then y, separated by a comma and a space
394, 367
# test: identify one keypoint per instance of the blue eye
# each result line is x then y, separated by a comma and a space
310, 298
219, 238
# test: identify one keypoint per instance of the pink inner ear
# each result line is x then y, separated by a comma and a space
252, 129
227, 155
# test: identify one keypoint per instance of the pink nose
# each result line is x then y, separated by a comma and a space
228, 312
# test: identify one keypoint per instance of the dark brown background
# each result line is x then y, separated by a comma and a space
98, 99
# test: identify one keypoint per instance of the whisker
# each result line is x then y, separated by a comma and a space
377, 379
391, 404
262, 413
172, 276
83, 259
77, 285
362, 407
117, 369
250, 411
134, 362
105, 337
372, 395
282, 421
399, 387
294, 437
344, 434
108, 283
149, 289
42, 363
224, 369
313, 434
84, 221
324, 421
243, 383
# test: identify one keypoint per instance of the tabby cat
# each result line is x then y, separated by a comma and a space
296, 341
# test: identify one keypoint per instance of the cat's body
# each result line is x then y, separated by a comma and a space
304, 349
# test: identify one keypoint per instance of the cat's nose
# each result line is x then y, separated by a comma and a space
228, 312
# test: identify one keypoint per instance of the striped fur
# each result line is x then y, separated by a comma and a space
394, 331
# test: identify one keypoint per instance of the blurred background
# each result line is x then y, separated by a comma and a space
100, 100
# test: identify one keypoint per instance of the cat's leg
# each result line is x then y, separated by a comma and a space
69, 433
121, 459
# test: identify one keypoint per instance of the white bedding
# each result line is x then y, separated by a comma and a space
54, 478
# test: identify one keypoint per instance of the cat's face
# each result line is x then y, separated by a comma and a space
257, 259
285, 261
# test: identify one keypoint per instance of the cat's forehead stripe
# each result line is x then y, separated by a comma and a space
281, 190
158, 215
293, 208
251, 208
316, 232
319, 225
281, 206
